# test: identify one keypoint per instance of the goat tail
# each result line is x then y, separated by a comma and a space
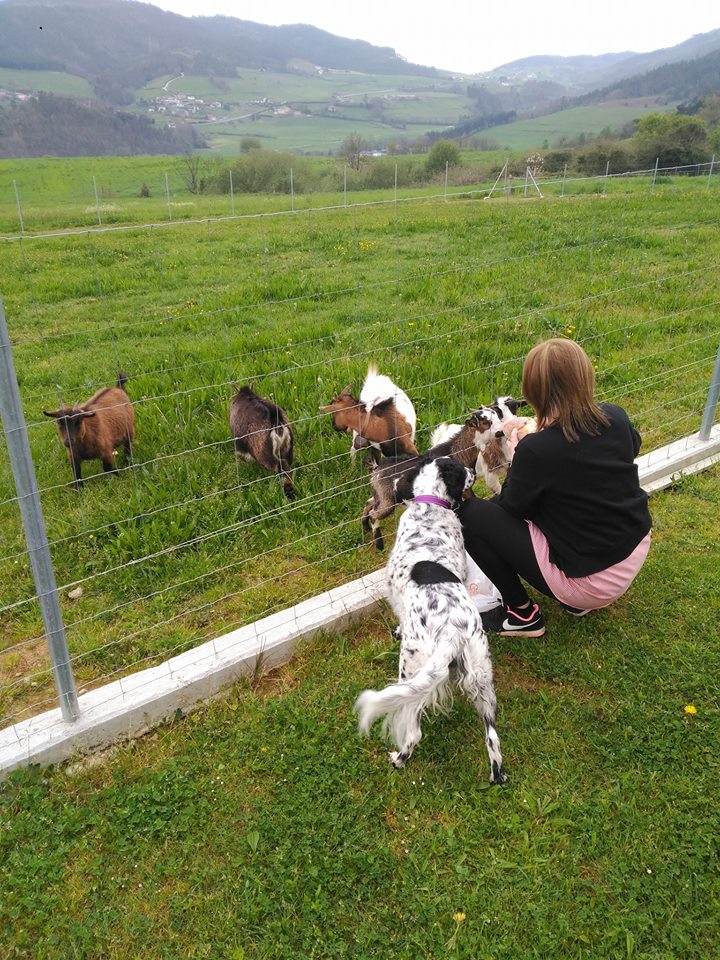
122, 379
402, 703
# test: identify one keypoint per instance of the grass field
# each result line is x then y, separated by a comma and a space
262, 828
47, 81
568, 124
446, 297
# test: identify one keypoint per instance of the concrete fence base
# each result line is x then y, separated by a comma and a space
129, 707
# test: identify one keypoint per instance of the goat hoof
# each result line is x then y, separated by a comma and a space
396, 760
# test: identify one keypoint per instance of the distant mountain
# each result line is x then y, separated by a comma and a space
680, 80
119, 45
584, 73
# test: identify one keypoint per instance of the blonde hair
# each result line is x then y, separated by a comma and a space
558, 380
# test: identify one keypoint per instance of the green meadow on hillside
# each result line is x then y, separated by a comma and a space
446, 296
569, 124
49, 81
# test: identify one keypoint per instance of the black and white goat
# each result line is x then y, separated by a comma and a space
262, 432
478, 444
442, 636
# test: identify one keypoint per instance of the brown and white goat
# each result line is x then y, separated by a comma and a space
93, 430
383, 418
480, 436
262, 433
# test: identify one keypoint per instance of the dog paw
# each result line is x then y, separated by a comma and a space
396, 760
498, 776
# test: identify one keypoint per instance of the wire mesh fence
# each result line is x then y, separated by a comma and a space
186, 541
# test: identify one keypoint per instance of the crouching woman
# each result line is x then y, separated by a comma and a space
572, 519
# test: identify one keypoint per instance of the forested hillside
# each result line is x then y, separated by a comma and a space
119, 46
61, 127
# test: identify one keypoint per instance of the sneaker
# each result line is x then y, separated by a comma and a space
574, 610
492, 620
527, 623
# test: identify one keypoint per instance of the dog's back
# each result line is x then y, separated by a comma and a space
440, 626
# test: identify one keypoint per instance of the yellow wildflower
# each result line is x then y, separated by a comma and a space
690, 709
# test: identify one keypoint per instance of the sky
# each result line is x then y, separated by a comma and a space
470, 36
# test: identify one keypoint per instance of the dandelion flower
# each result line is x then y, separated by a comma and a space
690, 709
458, 917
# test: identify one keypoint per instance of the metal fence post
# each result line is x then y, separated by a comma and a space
232, 195
167, 194
34, 524
97, 202
712, 164
657, 161
20, 216
712, 401
292, 191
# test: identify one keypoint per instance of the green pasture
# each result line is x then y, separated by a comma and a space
46, 81
316, 134
256, 84
261, 827
446, 296
362, 110
550, 129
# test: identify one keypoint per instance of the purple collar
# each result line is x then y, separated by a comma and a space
438, 501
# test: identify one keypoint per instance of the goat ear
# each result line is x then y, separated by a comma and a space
52, 413
329, 408
499, 433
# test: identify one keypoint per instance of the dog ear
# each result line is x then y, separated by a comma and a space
404, 483
453, 476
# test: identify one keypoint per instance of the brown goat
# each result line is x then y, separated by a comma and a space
387, 478
263, 433
94, 429
381, 428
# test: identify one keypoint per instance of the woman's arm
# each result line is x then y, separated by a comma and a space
524, 483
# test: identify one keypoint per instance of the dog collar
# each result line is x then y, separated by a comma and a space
438, 501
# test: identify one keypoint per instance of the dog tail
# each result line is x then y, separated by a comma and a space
403, 703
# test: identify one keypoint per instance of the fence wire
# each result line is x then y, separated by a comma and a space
446, 294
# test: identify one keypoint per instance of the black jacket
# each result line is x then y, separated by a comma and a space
584, 496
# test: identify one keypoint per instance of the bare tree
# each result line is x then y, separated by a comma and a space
191, 170
352, 149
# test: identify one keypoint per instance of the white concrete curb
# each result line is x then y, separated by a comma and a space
129, 707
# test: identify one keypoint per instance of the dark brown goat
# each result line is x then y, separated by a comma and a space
263, 433
382, 428
94, 429
387, 478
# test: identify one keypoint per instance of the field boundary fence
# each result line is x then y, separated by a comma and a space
530, 184
190, 555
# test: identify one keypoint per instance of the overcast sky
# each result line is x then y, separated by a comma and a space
472, 36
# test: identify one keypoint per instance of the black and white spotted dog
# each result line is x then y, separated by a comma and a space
442, 637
